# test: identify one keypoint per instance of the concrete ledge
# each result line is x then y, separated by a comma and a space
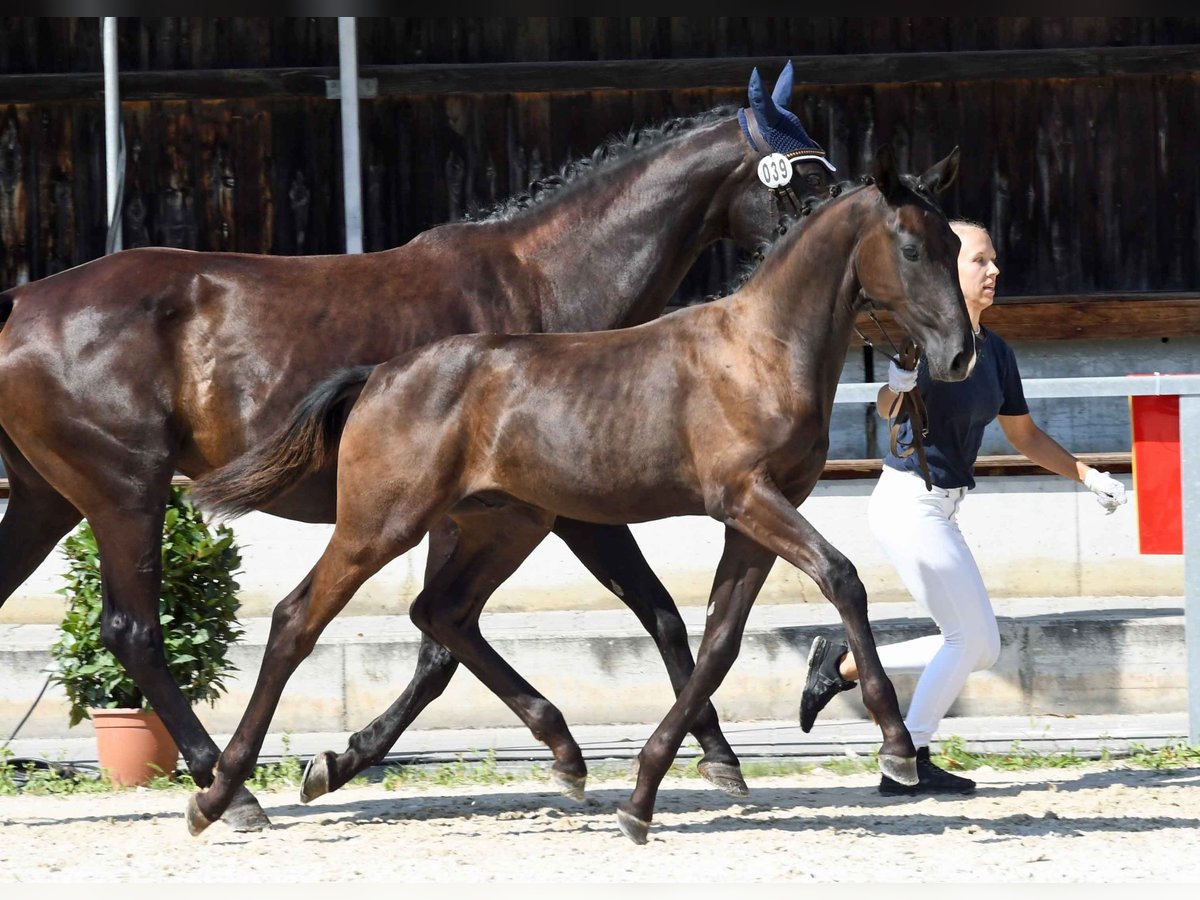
1061, 656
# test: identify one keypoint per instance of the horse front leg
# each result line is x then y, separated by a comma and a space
614, 558
764, 514
740, 575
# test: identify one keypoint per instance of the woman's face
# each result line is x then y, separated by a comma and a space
977, 269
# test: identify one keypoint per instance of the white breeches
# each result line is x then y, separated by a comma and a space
918, 532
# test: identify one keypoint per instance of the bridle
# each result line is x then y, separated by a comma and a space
909, 405
781, 193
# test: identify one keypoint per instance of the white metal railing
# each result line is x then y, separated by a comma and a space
1187, 388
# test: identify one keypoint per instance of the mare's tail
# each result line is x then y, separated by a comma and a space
300, 447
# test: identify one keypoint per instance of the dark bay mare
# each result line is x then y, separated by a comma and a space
721, 410
115, 374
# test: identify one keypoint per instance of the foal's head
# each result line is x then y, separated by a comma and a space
907, 261
769, 128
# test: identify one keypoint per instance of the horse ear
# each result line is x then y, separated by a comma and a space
887, 179
781, 95
759, 101
941, 175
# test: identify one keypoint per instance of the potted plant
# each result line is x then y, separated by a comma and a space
198, 612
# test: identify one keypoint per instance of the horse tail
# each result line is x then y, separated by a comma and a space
302, 446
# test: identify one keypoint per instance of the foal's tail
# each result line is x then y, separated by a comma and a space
302, 446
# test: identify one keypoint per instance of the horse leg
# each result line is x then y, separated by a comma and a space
351, 557
480, 567
36, 519
448, 610
128, 527
614, 558
743, 568
130, 544
764, 514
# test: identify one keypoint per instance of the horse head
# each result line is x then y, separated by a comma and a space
907, 262
770, 128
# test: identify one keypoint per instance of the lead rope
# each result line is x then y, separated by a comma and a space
909, 405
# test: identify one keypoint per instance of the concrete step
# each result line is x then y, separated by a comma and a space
1060, 657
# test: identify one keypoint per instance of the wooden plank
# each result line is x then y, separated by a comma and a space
598, 75
1095, 317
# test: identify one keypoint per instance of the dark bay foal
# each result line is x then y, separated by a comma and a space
721, 410
117, 373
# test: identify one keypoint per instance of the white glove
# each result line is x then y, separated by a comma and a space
1109, 492
901, 380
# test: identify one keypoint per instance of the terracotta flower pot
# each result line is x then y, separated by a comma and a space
131, 743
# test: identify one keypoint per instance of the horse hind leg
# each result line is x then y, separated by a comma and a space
36, 518
493, 545
127, 521
328, 771
613, 557
353, 555
130, 539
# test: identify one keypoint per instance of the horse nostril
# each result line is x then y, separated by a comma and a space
963, 361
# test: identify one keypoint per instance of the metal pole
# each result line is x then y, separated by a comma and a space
1189, 451
112, 127
351, 170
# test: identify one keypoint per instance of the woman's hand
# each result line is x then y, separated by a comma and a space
901, 380
1109, 492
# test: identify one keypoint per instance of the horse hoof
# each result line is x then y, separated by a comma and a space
637, 830
899, 768
724, 777
570, 785
244, 813
196, 820
315, 782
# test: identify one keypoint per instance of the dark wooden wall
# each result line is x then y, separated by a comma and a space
1088, 179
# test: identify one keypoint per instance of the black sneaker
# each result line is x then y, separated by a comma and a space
932, 780
823, 681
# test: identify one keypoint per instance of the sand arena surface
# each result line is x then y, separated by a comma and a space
1100, 823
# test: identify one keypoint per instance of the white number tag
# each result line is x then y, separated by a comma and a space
774, 170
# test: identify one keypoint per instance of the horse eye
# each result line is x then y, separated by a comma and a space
910, 253
814, 180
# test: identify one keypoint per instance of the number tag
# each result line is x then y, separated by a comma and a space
775, 170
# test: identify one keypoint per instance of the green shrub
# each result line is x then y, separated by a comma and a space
198, 612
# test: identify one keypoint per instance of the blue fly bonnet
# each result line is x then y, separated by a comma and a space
778, 126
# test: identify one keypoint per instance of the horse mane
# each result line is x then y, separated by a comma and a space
615, 148
792, 222
810, 205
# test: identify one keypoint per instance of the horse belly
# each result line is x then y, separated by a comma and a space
596, 487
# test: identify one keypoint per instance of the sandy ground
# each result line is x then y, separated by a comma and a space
1099, 824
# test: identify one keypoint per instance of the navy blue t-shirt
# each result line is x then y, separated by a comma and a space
959, 411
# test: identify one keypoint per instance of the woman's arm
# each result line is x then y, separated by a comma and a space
1040, 448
